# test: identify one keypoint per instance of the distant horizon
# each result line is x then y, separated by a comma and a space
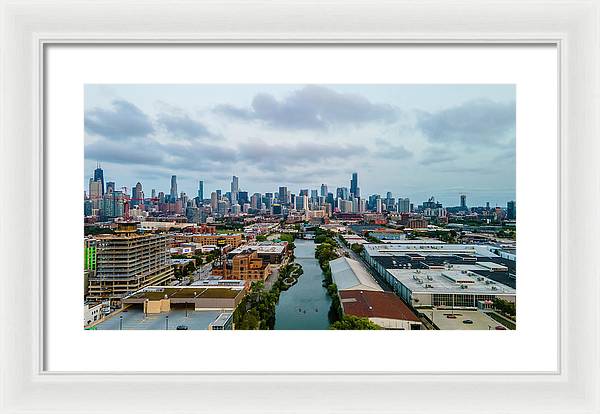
416, 141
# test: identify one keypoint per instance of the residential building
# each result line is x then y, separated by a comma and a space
127, 261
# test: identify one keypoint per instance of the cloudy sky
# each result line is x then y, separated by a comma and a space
416, 141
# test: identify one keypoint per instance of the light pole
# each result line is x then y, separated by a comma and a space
120, 322
146, 308
167, 322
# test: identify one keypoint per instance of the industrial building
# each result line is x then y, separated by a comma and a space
382, 308
444, 275
360, 295
127, 261
349, 274
158, 299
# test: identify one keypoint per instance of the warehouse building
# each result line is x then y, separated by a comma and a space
444, 276
360, 295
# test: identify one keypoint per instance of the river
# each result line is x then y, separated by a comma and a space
306, 304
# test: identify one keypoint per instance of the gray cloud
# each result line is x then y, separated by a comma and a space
390, 151
436, 155
182, 125
479, 121
124, 120
124, 152
311, 107
258, 151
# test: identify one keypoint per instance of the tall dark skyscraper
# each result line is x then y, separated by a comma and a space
283, 192
511, 210
99, 176
173, 192
463, 201
354, 185
201, 190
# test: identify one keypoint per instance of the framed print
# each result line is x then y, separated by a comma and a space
323, 199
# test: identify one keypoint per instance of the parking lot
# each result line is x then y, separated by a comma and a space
134, 319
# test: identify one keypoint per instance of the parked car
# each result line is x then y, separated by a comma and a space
182, 328
468, 321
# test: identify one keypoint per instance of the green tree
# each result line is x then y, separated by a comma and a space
357, 248
350, 322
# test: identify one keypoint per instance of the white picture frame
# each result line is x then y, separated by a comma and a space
27, 27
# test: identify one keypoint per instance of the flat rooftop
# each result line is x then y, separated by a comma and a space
185, 292
271, 248
135, 319
449, 320
446, 281
475, 258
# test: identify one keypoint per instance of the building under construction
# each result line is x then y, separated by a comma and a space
127, 261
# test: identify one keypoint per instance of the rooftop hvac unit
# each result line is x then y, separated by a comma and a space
429, 277
487, 282
464, 272
463, 286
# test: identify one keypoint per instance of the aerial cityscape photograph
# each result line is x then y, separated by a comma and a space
299, 207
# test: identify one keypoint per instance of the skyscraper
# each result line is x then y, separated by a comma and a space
235, 188
99, 176
201, 190
511, 210
354, 185
323, 190
213, 200
404, 205
463, 201
137, 195
283, 195
173, 192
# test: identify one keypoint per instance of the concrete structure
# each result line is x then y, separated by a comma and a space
444, 276
157, 299
128, 261
349, 274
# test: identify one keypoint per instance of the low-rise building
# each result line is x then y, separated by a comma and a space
382, 308
245, 265
444, 276
270, 252
92, 312
349, 274
157, 299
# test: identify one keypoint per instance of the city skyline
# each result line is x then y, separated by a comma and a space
415, 141
153, 192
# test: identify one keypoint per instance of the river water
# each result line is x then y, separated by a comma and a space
306, 304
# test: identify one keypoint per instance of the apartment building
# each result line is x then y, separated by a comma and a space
127, 261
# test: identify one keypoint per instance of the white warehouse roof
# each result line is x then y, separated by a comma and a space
348, 274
